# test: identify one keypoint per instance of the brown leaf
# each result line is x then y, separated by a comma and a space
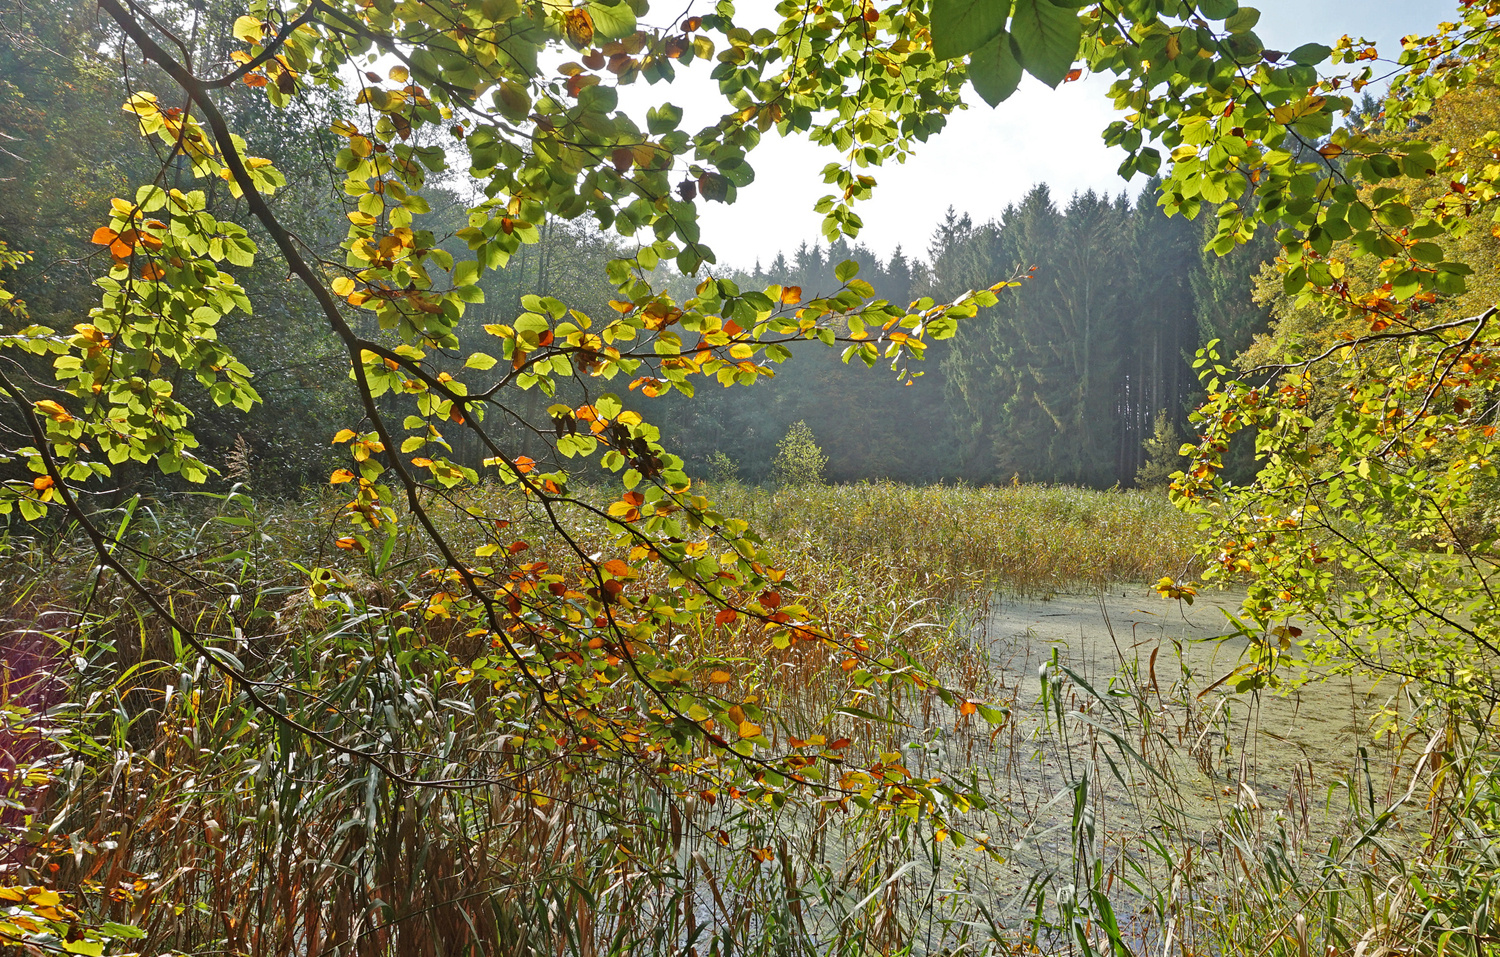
579, 27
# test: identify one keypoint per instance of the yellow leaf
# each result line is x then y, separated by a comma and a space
142, 104
399, 74
248, 29
342, 286
340, 477
749, 729
54, 411
720, 677
343, 436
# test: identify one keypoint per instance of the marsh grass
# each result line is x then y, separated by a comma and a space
154, 791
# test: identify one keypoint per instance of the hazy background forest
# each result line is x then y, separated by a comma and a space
1061, 382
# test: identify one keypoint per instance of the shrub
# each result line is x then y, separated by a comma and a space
798, 459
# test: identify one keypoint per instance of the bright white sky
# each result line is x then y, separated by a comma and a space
985, 159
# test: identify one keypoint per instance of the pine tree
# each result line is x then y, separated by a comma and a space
1161, 450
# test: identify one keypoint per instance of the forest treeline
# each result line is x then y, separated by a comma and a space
1064, 380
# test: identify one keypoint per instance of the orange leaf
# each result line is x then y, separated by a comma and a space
720, 677
153, 272
256, 79
41, 483
749, 729
524, 464
54, 411
726, 617
340, 477
618, 568
791, 295
103, 236
1074, 74
349, 543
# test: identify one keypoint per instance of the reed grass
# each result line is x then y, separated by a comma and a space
155, 794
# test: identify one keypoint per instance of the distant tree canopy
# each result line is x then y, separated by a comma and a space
1061, 381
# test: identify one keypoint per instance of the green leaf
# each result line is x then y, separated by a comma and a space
123, 931
715, 187
1310, 54
963, 26
995, 71
663, 119
1427, 252
480, 361
608, 405
1242, 20
1218, 9
846, 270
612, 22
737, 172
466, 273
1047, 39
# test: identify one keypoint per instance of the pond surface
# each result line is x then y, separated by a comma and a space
1169, 653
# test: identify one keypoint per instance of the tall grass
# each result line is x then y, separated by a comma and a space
155, 792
